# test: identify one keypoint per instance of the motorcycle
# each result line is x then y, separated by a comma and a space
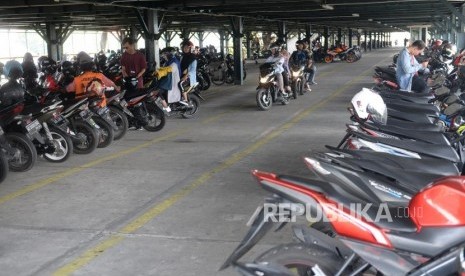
297, 80
403, 242
203, 77
267, 90
140, 106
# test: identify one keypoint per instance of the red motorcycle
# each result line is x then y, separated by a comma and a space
425, 238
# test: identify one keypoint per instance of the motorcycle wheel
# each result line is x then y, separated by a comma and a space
92, 138
120, 119
106, 132
27, 156
296, 89
63, 146
206, 81
157, 118
351, 57
264, 99
3, 166
217, 77
328, 58
195, 102
300, 258
229, 78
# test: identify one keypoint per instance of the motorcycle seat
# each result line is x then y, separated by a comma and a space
135, 93
404, 99
402, 105
429, 164
439, 151
425, 136
386, 70
348, 197
413, 126
411, 117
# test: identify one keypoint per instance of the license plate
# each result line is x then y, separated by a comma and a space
123, 103
33, 127
102, 111
57, 120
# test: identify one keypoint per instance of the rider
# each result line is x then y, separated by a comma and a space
188, 69
174, 94
301, 56
278, 59
86, 82
11, 92
311, 68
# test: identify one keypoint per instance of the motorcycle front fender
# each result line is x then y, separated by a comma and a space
198, 95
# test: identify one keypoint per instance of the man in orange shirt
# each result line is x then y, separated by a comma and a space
87, 83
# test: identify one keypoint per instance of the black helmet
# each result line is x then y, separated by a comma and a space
67, 68
274, 46
168, 52
47, 65
300, 41
13, 69
86, 63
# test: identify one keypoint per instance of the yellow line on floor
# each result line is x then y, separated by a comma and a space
156, 210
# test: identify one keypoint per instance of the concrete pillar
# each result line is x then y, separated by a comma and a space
370, 45
201, 38
222, 37
326, 36
248, 45
366, 40
237, 26
53, 47
282, 32
152, 46
350, 37
339, 35
308, 31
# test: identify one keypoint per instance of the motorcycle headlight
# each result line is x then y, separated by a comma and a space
457, 122
264, 79
295, 74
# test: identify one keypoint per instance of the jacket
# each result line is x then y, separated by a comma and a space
407, 66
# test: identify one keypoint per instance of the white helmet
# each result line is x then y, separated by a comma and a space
368, 104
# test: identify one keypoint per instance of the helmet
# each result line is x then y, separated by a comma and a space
67, 68
437, 43
168, 52
85, 62
368, 104
13, 69
449, 51
186, 42
274, 46
47, 65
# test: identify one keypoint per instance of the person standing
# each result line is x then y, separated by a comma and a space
188, 68
133, 63
408, 66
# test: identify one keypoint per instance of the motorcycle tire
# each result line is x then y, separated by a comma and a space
92, 138
217, 80
264, 99
206, 81
195, 102
301, 258
3, 166
63, 146
28, 152
328, 59
296, 89
229, 78
106, 132
351, 57
121, 120
157, 118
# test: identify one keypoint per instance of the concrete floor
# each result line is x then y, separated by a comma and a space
173, 202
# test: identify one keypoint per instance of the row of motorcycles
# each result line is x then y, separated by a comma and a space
387, 200
52, 123
341, 52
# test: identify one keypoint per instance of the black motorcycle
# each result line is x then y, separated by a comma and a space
297, 80
267, 90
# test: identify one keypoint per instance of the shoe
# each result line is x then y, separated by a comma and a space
285, 94
312, 83
167, 109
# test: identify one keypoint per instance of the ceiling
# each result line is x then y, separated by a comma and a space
198, 15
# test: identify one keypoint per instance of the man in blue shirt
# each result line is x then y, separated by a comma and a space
408, 66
